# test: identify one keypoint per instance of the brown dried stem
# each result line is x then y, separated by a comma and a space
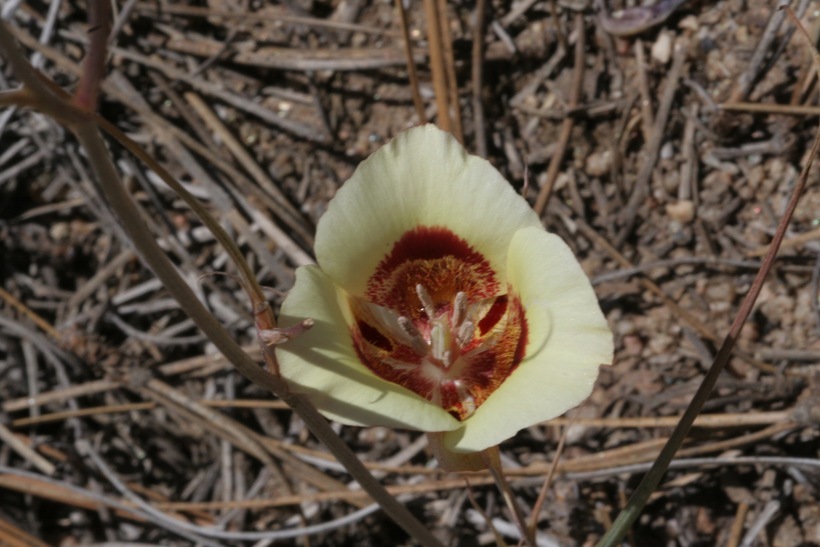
84, 125
412, 73
651, 480
437, 65
478, 77
99, 28
569, 122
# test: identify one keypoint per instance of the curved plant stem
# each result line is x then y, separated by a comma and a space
99, 27
155, 258
84, 125
651, 480
492, 459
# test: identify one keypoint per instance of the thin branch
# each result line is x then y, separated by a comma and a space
569, 122
99, 28
450, 69
155, 258
412, 73
478, 77
651, 480
437, 66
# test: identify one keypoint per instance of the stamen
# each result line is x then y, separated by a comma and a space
400, 365
416, 339
438, 341
467, 400
465, 333
459, 308
426, 301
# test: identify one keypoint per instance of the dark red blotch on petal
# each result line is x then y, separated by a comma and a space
438, 259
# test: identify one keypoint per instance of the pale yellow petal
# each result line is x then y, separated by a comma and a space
322, 364
422, 178
568, 340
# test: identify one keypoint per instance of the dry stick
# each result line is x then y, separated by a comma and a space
264, 191
787, 109
795, 241
651, 480
641, 189
750, 438
569, 122
450, 68
412, 73
255, 17
559, 31
478, 77
806, 79
83, 412
738, 524
59, 395
815, 55
12, 536
288, 58
492, 459
33, 316
25, 451
745, 81
703, 421
542, 495
480, 510
194, 123
437, 66
130, 407
643, 85
760, 521
646, 451
99, 28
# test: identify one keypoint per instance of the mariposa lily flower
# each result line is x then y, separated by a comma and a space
440, 303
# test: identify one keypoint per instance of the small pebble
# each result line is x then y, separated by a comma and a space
59, 231
662, 48
598, 163
689, 22
683, 211
667, 151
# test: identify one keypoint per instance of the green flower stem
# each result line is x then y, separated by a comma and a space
650, 482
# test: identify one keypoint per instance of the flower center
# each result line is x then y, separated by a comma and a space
433, 322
